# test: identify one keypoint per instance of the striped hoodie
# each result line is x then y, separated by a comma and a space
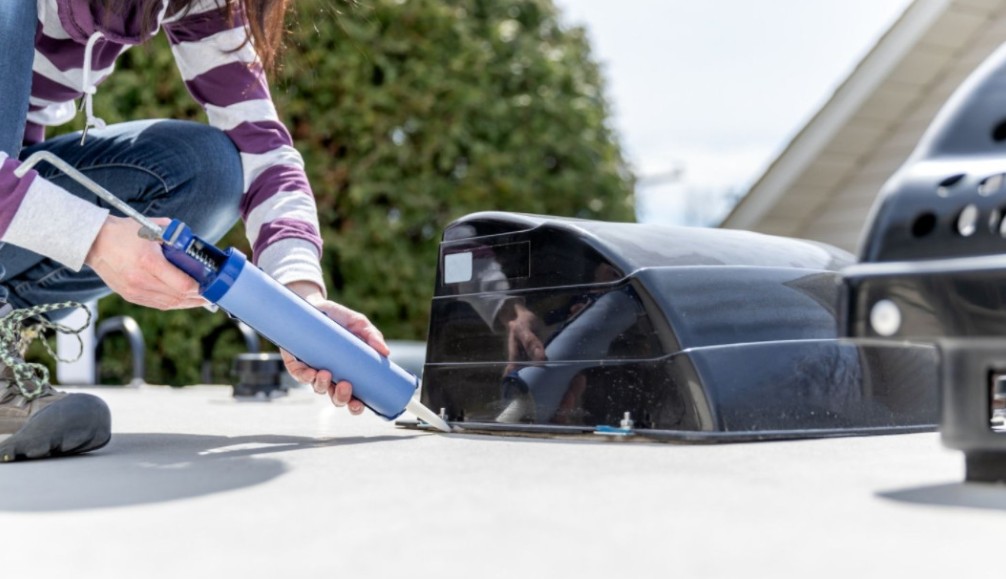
277, 207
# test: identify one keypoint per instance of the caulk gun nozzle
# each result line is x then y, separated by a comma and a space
426, 415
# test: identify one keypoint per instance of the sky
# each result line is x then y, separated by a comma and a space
706, 93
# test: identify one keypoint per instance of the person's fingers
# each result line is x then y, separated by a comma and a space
173, 302
322, 381
355, 407
532, 344
300, 371
160, 268
341, 393
356, 323
375, 339
368, 332
156, 283
513, 352
151, 296
136, 269
288, 359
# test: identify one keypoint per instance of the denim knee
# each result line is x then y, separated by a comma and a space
207, 177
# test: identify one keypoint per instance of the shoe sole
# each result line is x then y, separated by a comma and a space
76, 424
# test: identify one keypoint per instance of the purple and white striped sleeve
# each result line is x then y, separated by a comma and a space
278, 207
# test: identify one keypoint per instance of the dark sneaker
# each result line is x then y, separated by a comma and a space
37, 421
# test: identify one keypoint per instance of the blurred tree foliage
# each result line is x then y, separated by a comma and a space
409, 114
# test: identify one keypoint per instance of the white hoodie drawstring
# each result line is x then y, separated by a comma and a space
89, 89
162, 13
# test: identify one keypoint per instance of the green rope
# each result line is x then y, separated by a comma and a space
32, 379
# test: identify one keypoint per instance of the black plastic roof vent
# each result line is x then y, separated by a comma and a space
551, 325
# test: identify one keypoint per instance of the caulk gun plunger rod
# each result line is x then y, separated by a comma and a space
155, 230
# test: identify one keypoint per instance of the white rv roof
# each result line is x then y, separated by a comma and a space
195, 484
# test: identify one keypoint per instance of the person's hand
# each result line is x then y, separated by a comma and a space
340, 393
136, 269
523, 343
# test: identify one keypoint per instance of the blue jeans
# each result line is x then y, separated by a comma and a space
182, 170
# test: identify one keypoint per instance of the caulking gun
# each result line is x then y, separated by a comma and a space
245, 292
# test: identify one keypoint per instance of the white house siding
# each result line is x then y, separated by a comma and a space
823, 184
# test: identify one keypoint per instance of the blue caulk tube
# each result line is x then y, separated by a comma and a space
284, 318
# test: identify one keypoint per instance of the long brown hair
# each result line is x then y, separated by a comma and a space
265, 19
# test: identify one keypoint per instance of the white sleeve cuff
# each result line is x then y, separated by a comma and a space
290, 260
54, 223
